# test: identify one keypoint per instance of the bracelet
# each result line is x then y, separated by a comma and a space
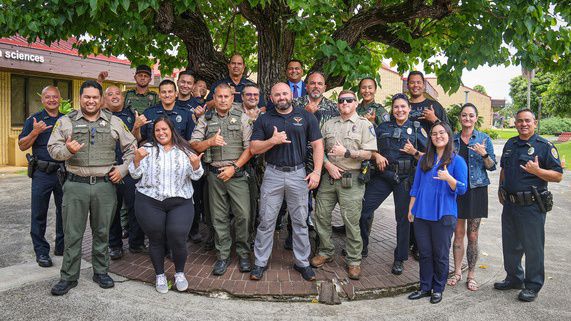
236, 168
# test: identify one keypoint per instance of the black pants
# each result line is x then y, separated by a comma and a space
172, 217
126, 195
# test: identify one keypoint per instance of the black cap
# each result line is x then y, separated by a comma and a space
144, 68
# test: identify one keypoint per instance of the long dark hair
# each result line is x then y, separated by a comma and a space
177, 140
427, 161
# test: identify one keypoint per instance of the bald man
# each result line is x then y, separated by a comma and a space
114, 101
42, 169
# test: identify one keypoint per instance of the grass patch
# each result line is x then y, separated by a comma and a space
565, 152
507, 133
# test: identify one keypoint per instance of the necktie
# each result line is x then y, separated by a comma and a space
295, 93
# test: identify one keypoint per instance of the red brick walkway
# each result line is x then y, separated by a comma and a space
280, 280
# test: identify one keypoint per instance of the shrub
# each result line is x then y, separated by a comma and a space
555, 125
492, 133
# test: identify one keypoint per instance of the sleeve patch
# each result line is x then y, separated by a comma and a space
554, 153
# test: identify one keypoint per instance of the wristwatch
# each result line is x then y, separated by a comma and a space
417, 153
347, 153
486, 155
236, 168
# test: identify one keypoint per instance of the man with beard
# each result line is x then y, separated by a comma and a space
85, 139
126, 191
422, 109
235, 80
141, 97
283, 135
35, 134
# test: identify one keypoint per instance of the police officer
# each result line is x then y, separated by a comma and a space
85, 139
224, 135
368, 108
400, 142
283, 134
181, 117
141, 97
36, 133
528, 163
185, 99
349, 139
126, 191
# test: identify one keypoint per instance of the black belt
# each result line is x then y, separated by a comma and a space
46, 166
521, 198
216, 170
286, 169
88, 179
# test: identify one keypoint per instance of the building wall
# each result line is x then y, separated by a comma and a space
481, 101
391, 83
4, 115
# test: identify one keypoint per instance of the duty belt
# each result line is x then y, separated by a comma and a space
47, 167
286, 169
216, 170
91, 180
521, 198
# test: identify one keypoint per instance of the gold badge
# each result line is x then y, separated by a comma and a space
102, 123
554, 153
530, 151
232, 120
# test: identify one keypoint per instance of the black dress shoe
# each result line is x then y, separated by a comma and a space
138, 249
436, 297
257, 272
63, 286
196, 238
338, 229
104, 280
220, 266
115, 253
507, 285
527, 295
418, 295
44, 260
244, 264
58, 252
397, 267
306, 272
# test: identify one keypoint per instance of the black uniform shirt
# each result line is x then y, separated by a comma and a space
416, 110
518, 152
40, 146
127, 115
391, 138
300, 126
181, 118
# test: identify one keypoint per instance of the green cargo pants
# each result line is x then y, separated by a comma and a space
225, 196
350, 202
80, 200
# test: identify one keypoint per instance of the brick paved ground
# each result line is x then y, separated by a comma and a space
280, 281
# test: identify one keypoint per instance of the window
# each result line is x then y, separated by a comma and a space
26, 92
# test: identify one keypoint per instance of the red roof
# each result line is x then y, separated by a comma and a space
62, 47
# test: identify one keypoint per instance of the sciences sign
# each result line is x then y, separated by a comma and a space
22, 56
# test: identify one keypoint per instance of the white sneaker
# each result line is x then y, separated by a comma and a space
180, 281
161, 284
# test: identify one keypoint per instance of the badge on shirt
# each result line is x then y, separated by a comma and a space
129, 120
409, 131
178, 118
354, 128
232, 120
297, 121
530, 151
102, 123
554, 153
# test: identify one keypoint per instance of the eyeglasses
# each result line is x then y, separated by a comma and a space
348, 100
399, 96
440, 133
251, 95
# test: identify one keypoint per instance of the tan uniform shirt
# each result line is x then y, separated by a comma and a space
199, 134
63, 129
355, 133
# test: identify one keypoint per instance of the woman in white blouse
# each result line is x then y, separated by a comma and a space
163, 203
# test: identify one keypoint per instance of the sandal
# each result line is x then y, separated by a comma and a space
472, 285
454, 279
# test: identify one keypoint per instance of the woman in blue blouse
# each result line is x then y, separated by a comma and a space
477, 150
163, 203
440, 177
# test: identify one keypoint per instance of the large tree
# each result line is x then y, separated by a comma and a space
345, 38
539, 85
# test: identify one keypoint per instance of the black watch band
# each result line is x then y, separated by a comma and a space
347, 153
417, 153
486, 155
236, 168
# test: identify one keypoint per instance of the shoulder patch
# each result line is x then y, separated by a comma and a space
372, 130
57, 124
554, 152
423, 132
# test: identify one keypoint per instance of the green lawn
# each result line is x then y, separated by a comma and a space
507, 133
565, 152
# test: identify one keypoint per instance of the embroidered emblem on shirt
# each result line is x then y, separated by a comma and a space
297, 119
102, 123
554, 153
409, 131
354, 128
178, 118
232, 120
530, 151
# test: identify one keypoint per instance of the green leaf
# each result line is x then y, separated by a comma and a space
125, 4
93, 5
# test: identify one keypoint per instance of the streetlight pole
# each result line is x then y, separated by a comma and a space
466, 97
539, 115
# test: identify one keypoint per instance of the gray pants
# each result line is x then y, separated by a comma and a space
275, 185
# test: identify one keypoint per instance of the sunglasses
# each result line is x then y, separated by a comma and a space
346, 100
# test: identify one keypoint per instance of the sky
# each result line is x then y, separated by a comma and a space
495, 79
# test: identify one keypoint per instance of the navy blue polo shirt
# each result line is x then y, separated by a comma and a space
237, 87
416, 110
300, 126
40, 146
518, 152
391, 138
181, 118
127, 115
186, 104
